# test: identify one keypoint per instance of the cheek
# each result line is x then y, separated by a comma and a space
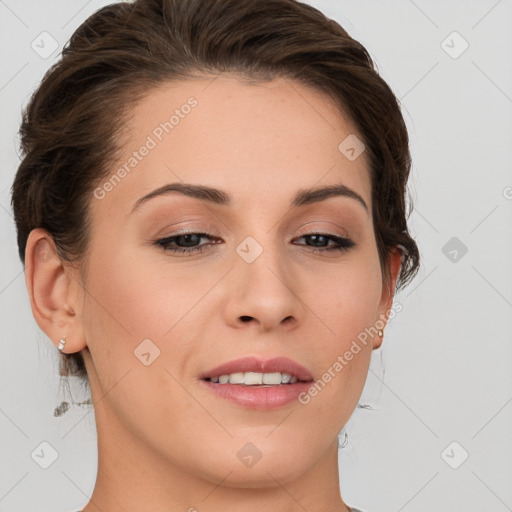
122, 308
345, 302
346, 298
132, 298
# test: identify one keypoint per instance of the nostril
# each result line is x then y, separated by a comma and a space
246, 318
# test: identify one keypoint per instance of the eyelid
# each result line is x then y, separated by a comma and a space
210, 229
321, 232
303, 230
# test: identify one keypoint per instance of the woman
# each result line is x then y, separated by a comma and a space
211, 214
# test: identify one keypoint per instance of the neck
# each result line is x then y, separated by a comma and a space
133, 477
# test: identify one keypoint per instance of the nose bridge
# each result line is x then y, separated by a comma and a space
261, 263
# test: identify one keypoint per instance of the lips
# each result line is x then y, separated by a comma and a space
258, 365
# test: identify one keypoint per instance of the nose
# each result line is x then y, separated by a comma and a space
263, 294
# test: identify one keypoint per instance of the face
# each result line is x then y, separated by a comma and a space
180, 283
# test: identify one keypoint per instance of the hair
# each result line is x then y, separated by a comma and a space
71, 128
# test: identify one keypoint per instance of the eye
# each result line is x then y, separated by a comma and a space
319, 239
184, 243
189, 242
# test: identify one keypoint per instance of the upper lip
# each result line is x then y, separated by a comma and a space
258, 365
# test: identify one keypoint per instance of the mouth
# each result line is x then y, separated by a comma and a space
253, 371
258, 384
257, 379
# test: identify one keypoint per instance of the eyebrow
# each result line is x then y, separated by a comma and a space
220, 197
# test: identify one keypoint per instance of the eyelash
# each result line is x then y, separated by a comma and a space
344, 244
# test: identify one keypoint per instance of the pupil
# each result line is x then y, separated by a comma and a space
188, 243
316, 237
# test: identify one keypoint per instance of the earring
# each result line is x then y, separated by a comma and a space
381, 333
62, 343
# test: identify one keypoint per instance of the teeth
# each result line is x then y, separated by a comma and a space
286, 377
255, 379
235, 378
251, 378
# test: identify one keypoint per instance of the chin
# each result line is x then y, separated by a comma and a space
263, 474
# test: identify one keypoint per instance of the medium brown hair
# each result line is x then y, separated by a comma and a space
70, 129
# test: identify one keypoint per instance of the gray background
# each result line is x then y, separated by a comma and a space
440, 389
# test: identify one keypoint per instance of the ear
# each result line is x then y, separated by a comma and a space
388, 291
55, 293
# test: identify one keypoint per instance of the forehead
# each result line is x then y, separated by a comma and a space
261, 141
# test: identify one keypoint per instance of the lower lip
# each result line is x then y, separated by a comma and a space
258, 397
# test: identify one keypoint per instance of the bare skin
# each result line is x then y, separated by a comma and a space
165, 442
